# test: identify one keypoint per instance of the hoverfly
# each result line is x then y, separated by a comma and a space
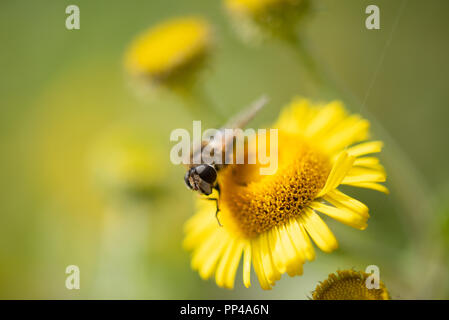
202, 177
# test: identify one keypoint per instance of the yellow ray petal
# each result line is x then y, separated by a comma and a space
366, 161
247, 265
341, 167
302, 113
296, 117
277, 250
364, 175
205, 257
339, 199
233, 265
272, 272
301, 240
318, 231
352, 129
369, 162
370, 185
325, 119
227, 268
198, 234
292, 260
207, 268
365, 148
223, 265
257, 263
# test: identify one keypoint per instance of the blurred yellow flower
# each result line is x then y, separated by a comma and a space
124, 163
173, 48
270, 219
349, 285
255, 7
273, 16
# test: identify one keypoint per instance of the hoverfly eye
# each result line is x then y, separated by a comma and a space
186, 179
207, 173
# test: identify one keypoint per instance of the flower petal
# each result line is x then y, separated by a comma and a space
370, 185
301, 240
227, 268
369, 162
247, 265
257, 263
326, 119
206, 256
318, 230
277, 250
350, 130
292, 259
341, 167
364, 175
197, 234
345, 216
233, 264
271, 271
223, 265
365, 148
339, 199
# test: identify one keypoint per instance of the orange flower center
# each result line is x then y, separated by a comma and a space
255, 203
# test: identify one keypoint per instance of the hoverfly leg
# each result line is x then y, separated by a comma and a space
217, 187
216, 202
216, 215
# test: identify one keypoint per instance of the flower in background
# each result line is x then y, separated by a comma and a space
255, 19
349, 285
170, 53
270, 219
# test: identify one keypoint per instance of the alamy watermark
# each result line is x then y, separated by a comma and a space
72, 22
73, 279
373, 281
373, 20
226, 146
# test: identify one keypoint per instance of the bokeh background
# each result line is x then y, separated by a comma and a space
85, 171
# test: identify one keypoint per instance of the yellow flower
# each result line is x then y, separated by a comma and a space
257, 7
349, 285
253, 18
169, 50
270, 219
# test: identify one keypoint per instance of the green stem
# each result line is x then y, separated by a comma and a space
199, 104
306, 60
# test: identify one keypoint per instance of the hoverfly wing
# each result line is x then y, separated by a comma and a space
246, 115
238, 121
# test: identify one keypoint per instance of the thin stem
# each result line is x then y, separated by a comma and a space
306, 60
412, 189
124, 239
199, 103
